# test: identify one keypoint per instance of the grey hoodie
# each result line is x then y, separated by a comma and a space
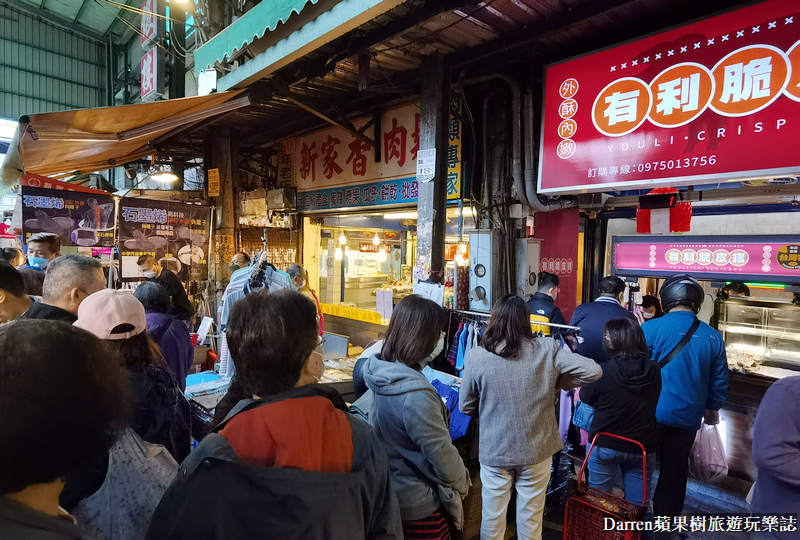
411, 422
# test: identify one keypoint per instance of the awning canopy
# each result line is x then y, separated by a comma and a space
315, 26
88, 140
264, 17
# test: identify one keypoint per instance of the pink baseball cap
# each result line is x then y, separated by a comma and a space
107, 309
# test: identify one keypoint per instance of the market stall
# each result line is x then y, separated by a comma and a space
674, 111
760, 330
357, 194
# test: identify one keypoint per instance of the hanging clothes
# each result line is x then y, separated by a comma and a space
452, 354
462, 346
470, 338
564, 413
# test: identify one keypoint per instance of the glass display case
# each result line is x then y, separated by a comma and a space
761, 336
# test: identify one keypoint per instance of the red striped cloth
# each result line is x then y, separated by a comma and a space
434, 527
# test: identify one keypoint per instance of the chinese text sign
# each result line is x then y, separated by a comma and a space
79, 219
327, 165
711, 101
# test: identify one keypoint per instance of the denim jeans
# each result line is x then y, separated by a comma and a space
605, 464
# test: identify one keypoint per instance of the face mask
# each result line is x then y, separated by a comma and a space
436, 350
647, 315
38, 262
150, 274
234, 267
607, 348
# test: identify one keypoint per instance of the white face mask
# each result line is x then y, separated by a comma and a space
436, 350
150, 274
647, 315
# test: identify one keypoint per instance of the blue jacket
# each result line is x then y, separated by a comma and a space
592, 319
411, 422
696, 379
776, 450
176, 345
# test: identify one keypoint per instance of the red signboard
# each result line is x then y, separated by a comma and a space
712, 101
149, 22
559, 234
34, 180
720, 257
149, 73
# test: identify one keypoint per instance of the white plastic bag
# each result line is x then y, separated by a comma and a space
707, 461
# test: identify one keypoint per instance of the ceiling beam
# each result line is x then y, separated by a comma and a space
80, 11
53, 19
120, 13
357, 41
345, 124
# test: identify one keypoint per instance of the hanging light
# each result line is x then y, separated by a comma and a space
462, 248
376, 240
382, 254
164, 177
337, 254
460, 259
342, 238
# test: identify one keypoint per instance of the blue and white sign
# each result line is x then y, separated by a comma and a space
399, 191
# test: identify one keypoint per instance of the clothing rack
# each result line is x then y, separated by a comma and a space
487, 315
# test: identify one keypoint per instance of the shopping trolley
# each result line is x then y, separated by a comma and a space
587, 510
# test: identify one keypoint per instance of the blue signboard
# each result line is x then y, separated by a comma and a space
399, 191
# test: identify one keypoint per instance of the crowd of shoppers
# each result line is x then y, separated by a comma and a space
287, 457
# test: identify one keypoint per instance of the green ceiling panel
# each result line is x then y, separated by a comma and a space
263, 18
98, 16
65, 9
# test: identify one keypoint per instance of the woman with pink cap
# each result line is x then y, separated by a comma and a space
116, 494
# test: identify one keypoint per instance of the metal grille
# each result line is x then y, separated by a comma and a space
282, 244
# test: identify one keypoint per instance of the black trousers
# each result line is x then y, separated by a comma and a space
674, 448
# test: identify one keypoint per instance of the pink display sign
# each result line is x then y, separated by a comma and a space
709, 257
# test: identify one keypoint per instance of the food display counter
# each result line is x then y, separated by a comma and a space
359, 292
762, 336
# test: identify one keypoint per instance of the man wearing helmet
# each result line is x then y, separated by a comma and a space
694, 374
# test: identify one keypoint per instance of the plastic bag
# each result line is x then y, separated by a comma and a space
707, 461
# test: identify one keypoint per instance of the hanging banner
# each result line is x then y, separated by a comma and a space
713, 101
177, 235
559, 233
727, 258
80, 219
333, 162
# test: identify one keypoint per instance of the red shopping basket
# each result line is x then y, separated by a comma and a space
589, 509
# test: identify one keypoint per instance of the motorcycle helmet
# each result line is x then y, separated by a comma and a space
681, 290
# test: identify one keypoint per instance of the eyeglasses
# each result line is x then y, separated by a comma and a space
321, 340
